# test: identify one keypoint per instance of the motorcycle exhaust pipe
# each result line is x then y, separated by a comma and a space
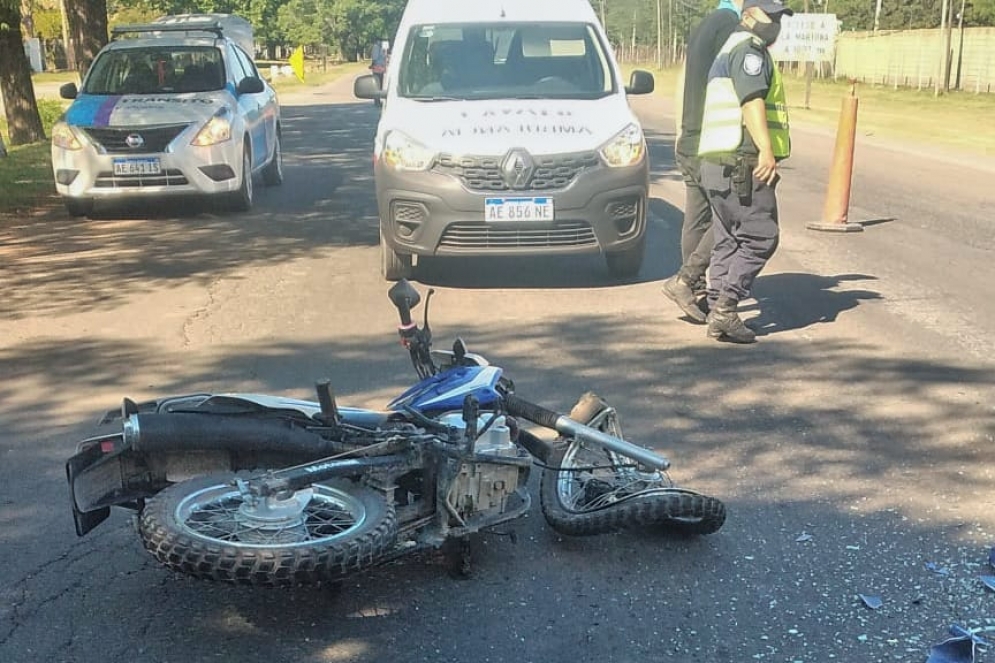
183, 431
566, 426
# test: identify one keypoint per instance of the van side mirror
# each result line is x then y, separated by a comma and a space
251, 85
640, 82
368, 87
68, 91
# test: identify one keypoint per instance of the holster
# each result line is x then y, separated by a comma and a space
742, 176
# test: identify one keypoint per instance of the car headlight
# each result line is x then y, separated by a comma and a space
625, 149
217, 130
402, 153
63, 136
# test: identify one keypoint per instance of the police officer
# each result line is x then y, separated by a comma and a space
739, 165
696, 234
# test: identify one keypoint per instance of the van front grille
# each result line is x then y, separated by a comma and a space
473, 236
483, 173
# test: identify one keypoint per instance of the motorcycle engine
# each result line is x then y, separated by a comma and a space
482, 486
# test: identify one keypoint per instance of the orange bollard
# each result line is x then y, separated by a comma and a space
836, 210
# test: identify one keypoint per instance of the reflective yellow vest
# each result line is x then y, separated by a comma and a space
722, 120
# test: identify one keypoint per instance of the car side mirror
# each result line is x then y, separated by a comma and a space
640, 82
68, 91
368, 87
251, 85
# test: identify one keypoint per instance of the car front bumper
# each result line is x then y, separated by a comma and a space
88, 173
441, 212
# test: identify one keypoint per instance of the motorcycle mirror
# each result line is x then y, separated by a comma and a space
404, 296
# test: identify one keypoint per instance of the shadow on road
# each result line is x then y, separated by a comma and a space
905, 440
794, 301
56, 264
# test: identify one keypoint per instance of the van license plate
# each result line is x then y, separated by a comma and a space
518, 209
132, 167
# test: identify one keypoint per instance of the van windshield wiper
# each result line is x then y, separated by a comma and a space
434, 99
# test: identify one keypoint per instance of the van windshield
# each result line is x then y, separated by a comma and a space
157, 70
505, 61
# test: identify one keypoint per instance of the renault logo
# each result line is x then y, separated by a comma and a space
134, 141
517, 168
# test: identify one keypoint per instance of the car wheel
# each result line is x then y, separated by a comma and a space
273, 172
78, 206
393, 265
241, 200
627, 263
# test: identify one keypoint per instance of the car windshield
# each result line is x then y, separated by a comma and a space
159, 70
505, 61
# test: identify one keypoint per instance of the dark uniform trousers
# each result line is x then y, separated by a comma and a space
696, 233
746, 231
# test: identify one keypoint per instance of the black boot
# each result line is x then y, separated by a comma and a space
678, 289
724, 322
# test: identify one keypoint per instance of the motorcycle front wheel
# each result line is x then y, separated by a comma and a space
587, 489
207, 528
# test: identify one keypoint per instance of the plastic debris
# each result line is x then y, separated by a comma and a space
953, 650
803, 537
935, 568
961, 632
989, 582
872, 602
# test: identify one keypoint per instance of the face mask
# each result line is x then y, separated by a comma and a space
768, 32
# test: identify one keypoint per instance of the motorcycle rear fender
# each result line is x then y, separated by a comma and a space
104, 473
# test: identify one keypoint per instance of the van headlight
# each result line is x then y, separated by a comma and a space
217, 130
401, 152
63, 136
627, 148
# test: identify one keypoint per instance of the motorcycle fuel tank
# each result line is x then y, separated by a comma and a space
446, 390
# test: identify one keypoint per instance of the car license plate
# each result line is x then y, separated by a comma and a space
518, 209
131, 167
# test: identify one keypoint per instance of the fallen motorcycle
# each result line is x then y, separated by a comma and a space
266, 490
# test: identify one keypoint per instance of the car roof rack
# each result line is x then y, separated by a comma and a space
212, 25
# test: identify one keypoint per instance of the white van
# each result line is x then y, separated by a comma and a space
506, 130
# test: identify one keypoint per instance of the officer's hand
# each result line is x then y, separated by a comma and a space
766, 170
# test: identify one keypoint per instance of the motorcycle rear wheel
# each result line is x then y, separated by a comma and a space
596, 491
199, 528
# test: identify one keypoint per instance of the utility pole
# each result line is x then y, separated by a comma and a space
659, 33
945, 48
960, 43
877, 15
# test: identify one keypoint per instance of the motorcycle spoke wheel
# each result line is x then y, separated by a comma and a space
589, 490
206, 528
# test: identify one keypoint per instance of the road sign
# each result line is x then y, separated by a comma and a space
806, 38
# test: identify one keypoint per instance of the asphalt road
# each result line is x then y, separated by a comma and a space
852, 444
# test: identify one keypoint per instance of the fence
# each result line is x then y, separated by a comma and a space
911, 58
901, 58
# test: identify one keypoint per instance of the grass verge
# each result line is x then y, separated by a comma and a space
314, 78
26, 179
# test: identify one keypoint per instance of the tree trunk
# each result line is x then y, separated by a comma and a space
23, 121
87, 27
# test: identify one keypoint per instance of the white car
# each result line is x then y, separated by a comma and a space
173, 108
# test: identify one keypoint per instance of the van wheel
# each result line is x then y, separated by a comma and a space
393, 265
78, 206
627, 263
